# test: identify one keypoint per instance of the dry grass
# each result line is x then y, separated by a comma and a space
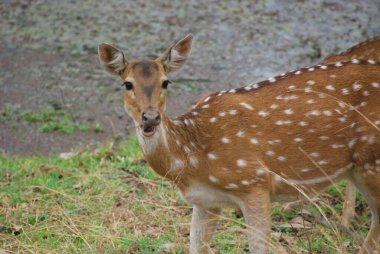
110, 202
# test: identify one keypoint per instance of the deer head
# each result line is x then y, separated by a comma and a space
145, 81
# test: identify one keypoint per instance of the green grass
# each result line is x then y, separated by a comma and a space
109, 201
47, 120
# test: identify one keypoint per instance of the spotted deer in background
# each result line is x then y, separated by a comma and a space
289, 136
365, 50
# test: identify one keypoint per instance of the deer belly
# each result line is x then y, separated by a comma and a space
207, 197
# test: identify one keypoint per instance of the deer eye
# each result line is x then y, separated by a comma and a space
165, 83
128, 85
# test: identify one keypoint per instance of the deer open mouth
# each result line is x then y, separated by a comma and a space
147, 130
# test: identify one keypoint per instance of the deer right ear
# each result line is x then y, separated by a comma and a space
175, 56
112, 58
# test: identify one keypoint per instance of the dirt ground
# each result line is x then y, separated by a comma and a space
48, 54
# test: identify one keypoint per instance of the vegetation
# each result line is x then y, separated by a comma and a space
47, 120
109, 201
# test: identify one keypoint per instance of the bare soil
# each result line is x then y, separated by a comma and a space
48, 54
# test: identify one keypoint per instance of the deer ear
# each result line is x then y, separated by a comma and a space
175, 56
112, 58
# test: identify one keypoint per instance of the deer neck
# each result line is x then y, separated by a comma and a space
168, 150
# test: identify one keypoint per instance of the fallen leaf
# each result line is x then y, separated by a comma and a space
16, 229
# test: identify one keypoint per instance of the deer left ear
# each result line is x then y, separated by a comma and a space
175, 56
112, 58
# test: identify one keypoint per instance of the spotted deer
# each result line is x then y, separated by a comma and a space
365, 50
289, 136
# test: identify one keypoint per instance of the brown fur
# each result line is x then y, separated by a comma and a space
295, 133
365, 50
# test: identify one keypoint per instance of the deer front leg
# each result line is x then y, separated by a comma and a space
256, 211
202, 226
349, 205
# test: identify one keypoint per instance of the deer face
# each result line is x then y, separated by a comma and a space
146, 81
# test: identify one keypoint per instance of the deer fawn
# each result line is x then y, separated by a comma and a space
365, 50
289, 136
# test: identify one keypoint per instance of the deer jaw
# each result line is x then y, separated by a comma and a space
150, 144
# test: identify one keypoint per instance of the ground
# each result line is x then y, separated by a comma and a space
109, 201
49, 60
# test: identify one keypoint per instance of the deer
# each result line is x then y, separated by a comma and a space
365, 50
291, 135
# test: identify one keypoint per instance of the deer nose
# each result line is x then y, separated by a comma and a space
151, 118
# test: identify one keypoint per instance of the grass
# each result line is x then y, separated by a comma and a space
47, 120
109, 201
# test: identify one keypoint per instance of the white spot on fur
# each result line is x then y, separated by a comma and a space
288, 111
263, 113
177, 164
345, 91
246, 105
226, 140
186, 149
231, 186
232, 112
193, 161
370, 61
283, 122
313, 113
356, 87
303, 123
315, 155
240, 134
254, 141
337, 146
260, 171
211, 156
213, 179
241, 163
274, 106
308, 90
